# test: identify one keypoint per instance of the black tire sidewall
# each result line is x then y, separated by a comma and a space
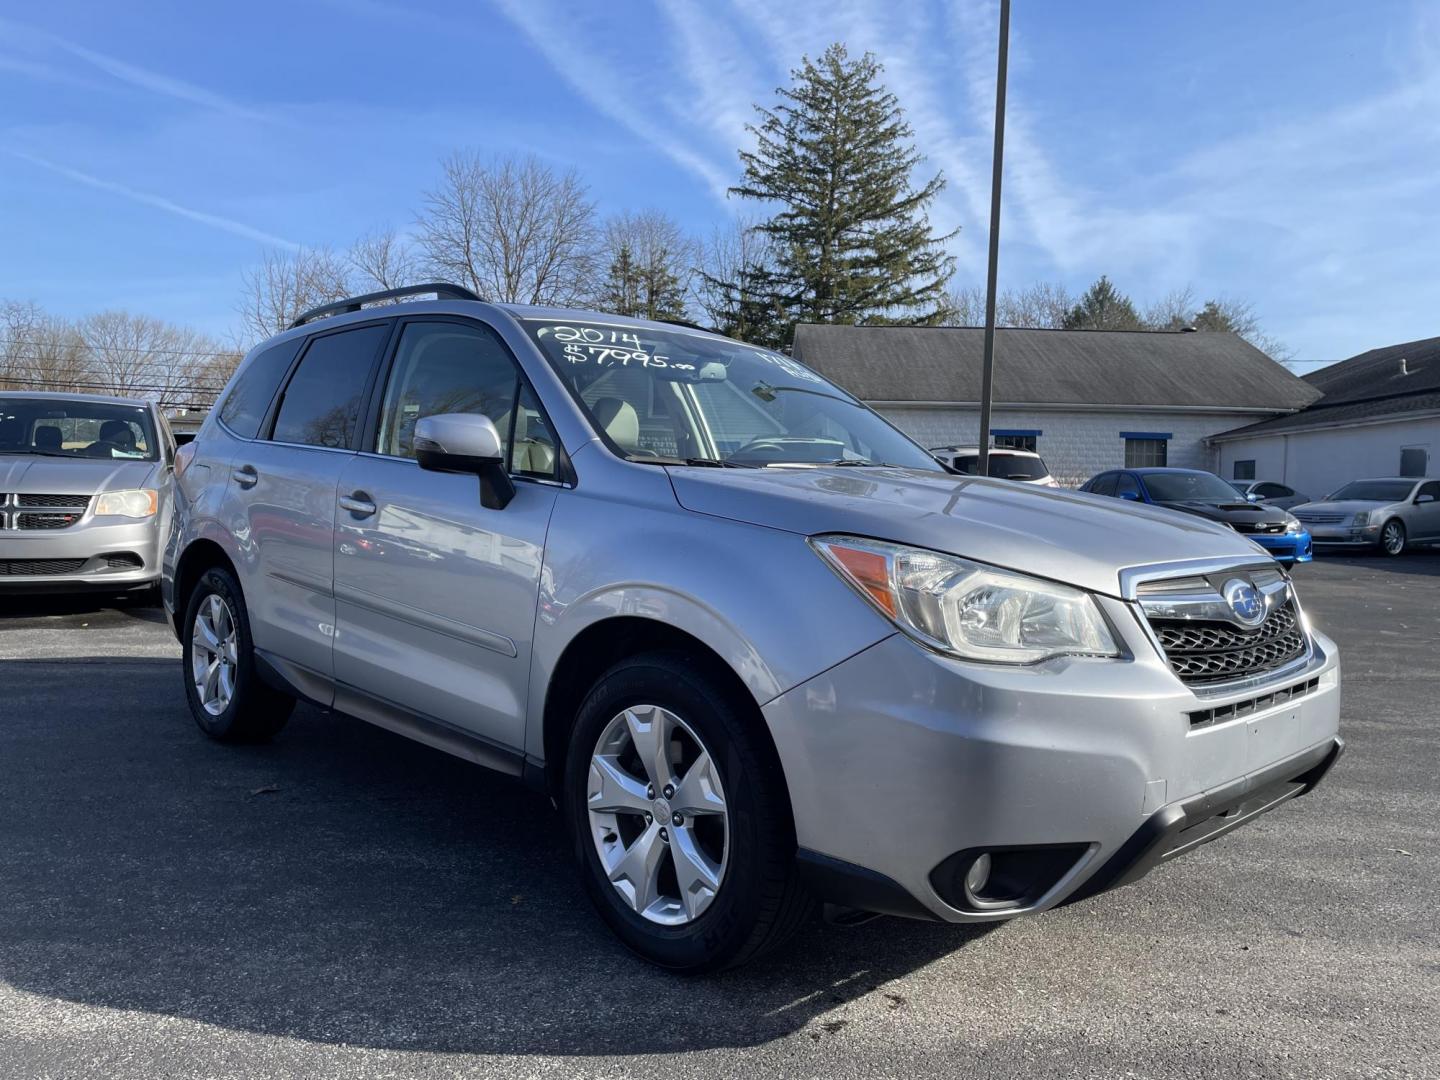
228, 725
726, 926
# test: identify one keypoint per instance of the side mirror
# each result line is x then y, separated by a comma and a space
466, 443
1130, 496
1424, 499
1252, 497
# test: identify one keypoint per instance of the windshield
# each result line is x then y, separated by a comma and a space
1188, 487
1382, 491
671, 396
76, 429
1003, 466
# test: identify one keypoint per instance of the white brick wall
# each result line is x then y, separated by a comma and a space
1076, 445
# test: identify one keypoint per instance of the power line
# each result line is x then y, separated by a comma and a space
56, 344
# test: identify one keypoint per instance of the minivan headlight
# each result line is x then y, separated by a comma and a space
969, 609
134, 503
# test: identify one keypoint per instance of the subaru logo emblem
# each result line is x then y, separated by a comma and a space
1245, 602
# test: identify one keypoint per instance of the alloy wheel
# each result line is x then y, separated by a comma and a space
657, 815
213, 654
1393, 538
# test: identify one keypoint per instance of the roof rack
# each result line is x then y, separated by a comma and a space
442, 290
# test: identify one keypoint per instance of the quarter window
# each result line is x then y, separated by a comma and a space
321, 405
1146, 451
254, 388
445, 367
1104, 484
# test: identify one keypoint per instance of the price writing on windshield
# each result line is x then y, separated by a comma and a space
608, 347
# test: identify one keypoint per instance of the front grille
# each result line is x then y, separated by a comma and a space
1259, 527
30, 511
1314, 518
39, 567
1208, 652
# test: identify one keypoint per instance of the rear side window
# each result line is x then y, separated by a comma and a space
254, 388
1125, 485
321, 406
1103, 485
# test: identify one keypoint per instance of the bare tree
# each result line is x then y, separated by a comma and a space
649, 262
732, 284
286, 284
39, 351
139, 356
1043, 305
382, 260
511, 229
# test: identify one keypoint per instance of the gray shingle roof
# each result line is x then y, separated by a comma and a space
1089, 367
1368, 386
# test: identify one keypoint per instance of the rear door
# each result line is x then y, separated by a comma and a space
282, 502
436, 594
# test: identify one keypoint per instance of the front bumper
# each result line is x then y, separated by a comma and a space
84, 557
1287, 547
1357, 536
900, 759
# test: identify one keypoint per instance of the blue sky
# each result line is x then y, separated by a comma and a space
1286, 153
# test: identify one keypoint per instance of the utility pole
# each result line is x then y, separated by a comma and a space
987, 378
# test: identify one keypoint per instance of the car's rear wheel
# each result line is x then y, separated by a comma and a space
1392, 537
226, 695
679, 817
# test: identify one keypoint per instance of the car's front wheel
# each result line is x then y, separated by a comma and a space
226, 695
679, 817
1392, 537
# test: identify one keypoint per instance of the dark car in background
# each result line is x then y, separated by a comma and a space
1194, 491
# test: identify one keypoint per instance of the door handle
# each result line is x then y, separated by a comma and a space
246, 476
358, 503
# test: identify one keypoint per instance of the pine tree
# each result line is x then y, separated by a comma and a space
1103, 307
650, 260
621, 292
851, 239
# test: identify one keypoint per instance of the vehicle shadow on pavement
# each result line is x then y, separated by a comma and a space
24, 611
344, 885
1425, 563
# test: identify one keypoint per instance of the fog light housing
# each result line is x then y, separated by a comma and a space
983, 880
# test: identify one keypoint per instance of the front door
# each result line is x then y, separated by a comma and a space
435, 594
1426, 510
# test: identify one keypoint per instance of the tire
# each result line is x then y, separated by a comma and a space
760, 900
252, 711
1393, 538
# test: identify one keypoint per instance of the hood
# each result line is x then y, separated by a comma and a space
1230, 512
36, 474
1344, 506
1083, 540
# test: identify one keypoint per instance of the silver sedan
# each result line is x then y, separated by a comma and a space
1391, 513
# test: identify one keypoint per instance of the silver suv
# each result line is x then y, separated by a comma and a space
759, 647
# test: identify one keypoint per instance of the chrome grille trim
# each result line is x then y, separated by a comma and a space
23, 511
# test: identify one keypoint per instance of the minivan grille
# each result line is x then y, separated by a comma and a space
30, 511
1206, 652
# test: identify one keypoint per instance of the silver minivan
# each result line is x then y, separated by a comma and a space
759, 647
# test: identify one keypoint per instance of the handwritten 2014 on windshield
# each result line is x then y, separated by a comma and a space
590, 344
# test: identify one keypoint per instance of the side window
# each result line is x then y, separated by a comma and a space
1104, 484
254, 386
321, 405
969, 464
1272, 491
1431, 489
444, 367
1125, 485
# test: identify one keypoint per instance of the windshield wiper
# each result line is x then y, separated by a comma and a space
856, 463
702, 462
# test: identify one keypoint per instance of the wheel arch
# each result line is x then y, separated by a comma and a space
604, 643
200, 555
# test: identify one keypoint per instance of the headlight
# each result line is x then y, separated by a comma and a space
135, 503
968, 609
1362, 518
1292, 524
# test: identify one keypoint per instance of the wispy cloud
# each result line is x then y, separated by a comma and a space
133, 75
538, 19
158, 202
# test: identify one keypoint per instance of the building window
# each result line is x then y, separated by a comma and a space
1145, 449
1010, 439
1245, 470
1413, 461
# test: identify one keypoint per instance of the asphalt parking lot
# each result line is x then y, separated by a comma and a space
345, 903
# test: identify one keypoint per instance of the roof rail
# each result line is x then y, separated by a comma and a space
442, 290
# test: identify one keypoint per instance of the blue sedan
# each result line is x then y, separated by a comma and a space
1204, 494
